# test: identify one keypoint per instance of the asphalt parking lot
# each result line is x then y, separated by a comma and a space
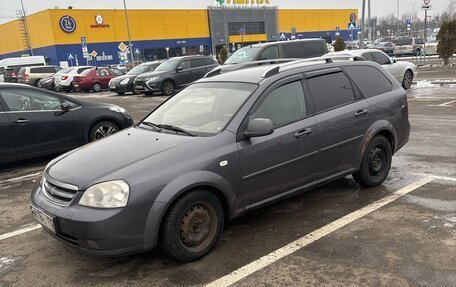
402, 233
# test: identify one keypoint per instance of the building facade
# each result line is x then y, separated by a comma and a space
157, 34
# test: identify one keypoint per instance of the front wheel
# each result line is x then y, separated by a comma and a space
408, 80
167, 88
102, 130
375, 164
192, 226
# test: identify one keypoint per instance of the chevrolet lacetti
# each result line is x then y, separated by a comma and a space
222, 146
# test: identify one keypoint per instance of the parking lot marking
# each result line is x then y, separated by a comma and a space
294, 246
19, 178
20, 231
445, 178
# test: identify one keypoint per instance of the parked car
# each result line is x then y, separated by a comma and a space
35, 122
386, 47
95, 79
19, 62
174, 74
273, 53
124, 84
10, 74
431, 47
64, 80
404, 72
48, 83
31, 75
408, 46
220, 147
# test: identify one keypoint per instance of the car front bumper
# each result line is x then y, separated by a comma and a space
95, 231
118, 88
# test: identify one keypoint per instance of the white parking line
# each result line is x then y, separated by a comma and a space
20, 231
19, 178
445, 178
294, 246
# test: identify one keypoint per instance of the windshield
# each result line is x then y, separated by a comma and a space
246, 54
138, 70
204, 108
403, 42
168, 66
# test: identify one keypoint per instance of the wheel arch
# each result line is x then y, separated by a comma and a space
99, 120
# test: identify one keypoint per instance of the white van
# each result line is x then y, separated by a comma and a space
20, 62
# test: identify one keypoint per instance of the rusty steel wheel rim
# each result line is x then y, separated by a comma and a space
198, 226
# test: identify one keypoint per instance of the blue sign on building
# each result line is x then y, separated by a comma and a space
67, 24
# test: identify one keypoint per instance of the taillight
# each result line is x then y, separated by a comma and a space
64, 77
25, 76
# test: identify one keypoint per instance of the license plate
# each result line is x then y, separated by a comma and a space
112, 87
44, 219
138, 87
76, 85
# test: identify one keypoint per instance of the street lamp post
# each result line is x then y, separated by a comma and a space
361, 42
129, 37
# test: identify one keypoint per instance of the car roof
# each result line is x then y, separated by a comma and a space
188, 57
358, 52
285, 42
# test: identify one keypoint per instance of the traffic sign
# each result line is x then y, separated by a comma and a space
425, 7
426, 2
85, 55
242, 31
353, 18
282, 36
122, 47
408, 22
83, 41
137, 51
351, 26
94, 53
70, 57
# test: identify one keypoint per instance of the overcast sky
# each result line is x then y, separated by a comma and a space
379, 7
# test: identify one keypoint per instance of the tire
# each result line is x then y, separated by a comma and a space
120, 93
407, 80
96, 87
167, 88
102, 129
192, 226
375, 164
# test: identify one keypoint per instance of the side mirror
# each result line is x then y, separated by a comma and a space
65, 107
394, 60
259, 127
180, 68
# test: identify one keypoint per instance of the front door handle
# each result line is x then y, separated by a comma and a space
361, 113
21, 121
303, 133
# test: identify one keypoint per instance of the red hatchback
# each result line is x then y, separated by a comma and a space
95, 79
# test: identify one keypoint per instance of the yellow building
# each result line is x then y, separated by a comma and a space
57, 33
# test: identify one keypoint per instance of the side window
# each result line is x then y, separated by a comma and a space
102, 72
369, 80
208, 62
185, 65
313, 49
282, 106
197, 63
292, 50
270, 53
82, 70
368, 57
24, 100
381, 58
330, 91
116, 72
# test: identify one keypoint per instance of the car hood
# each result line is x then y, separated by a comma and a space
120, 78
152, 74
117, 156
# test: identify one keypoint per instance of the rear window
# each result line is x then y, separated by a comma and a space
80, 70
369, 80
403, 42
21, 71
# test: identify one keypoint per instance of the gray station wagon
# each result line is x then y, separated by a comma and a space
220, 147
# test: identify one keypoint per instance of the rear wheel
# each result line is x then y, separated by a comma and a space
96, 87
102, 130
167, 88
192, 226
408, 80
375, 164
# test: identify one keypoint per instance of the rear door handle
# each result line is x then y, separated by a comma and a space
303, 133
21, 121
361, 113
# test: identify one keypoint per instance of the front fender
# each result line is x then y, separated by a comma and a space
176, 188
376, 128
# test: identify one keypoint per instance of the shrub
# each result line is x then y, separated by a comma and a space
339, 45
447, 40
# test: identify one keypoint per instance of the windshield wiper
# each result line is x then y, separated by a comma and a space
176, 129
154, 126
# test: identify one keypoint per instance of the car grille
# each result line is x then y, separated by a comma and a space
59, 193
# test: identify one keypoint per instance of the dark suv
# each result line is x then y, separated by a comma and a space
174, 74
220, 147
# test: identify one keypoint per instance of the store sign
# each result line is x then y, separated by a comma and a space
99, 23
67, 24
247, 2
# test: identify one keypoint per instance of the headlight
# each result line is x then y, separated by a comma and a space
118, 110
154, 78
125, 81
111, 194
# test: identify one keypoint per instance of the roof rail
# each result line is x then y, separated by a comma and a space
327, 59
